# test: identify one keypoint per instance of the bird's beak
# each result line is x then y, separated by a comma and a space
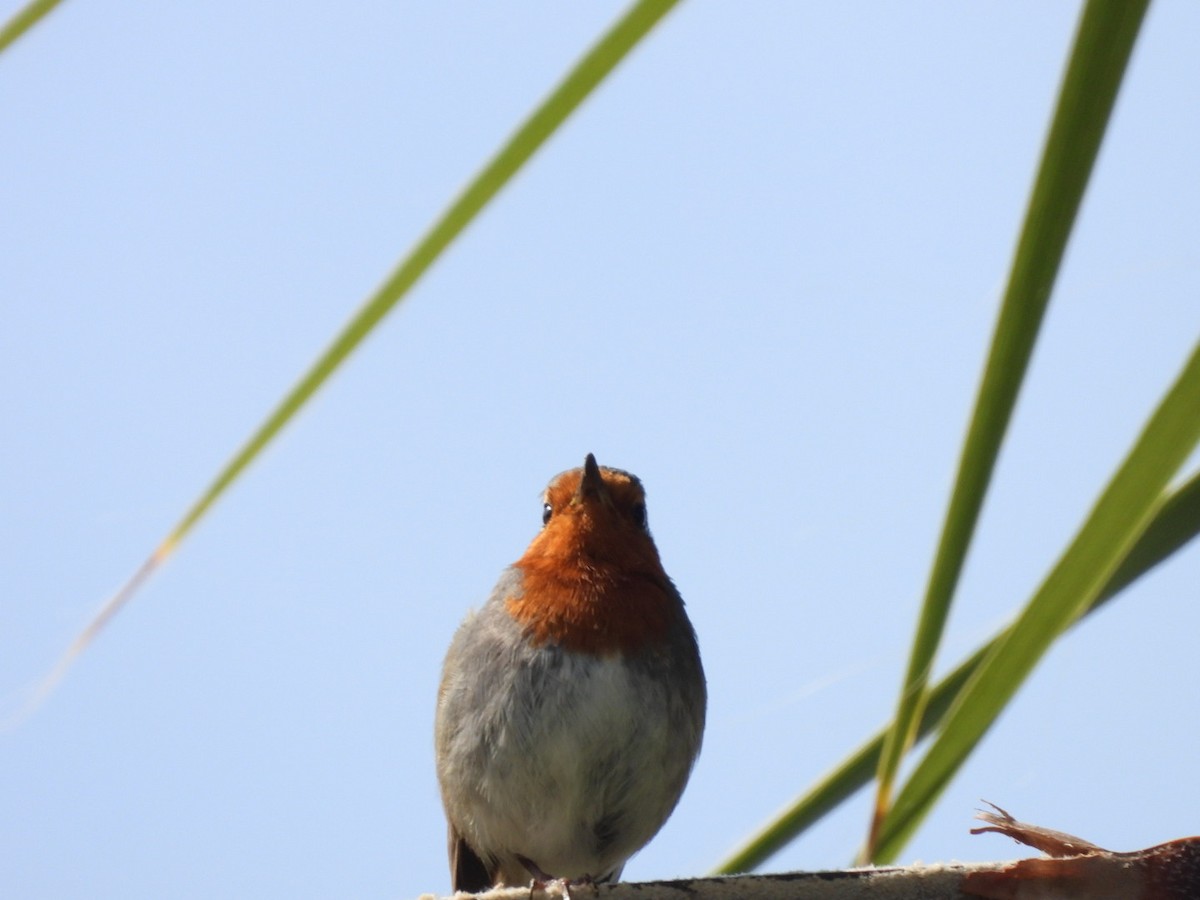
591, 485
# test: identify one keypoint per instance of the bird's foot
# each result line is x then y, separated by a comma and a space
584, 881
541, 880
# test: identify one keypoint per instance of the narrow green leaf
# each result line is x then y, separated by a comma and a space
1119, 517
544, 121
591, 69
844, 781
1103, 43
1176, 522
24, 19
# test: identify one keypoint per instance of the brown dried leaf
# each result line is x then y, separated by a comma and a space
1083, 871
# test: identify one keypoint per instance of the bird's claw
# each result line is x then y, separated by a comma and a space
540, 880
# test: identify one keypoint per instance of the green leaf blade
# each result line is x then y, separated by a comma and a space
23, 20
1120, 516
1175, 523
1103, 45
592, 68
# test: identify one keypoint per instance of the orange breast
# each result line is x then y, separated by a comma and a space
592, 608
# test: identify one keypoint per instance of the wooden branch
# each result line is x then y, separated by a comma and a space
1077, 870
893, 883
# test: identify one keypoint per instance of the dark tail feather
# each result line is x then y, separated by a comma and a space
467, 871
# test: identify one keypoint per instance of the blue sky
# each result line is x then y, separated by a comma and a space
759, 268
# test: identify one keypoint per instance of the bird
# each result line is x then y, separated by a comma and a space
571, 705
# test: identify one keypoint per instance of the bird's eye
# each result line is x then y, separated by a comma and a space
547, 512
639, 515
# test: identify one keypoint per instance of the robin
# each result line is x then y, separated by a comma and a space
571, 705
